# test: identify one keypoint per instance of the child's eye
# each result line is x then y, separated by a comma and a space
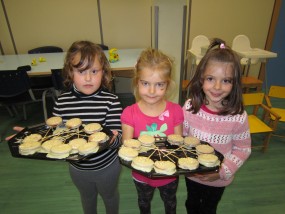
144, 83
228, 81
161, 84
209, 78
94, 71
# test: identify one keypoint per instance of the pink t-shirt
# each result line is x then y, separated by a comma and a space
161, 125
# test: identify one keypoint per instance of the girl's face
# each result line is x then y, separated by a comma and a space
87, 81
151, 86
217, 85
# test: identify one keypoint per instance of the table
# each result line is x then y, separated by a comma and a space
123, 67
262, 55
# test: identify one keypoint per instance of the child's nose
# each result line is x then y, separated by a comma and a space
88, 76
152, 89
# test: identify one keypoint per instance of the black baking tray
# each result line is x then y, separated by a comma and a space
162, 143
45, 130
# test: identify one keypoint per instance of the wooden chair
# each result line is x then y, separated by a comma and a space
256, 119
276, 93
242, 43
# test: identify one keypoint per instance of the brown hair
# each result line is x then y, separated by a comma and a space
88, 52
155, 60
218, 51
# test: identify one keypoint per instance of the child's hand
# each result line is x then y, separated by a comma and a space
115, 134
208, 177
17, 129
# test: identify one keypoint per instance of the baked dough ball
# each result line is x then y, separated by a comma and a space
143, 164
127, 153
188, 163
92, 127
175, 139
46, 146
164, 167
76, 143
132, 143
59, 151
54, 121
29, 147
98, 137
146, 140
32, 138
208, 160
88, 148
204, 149
73, 123
191, 141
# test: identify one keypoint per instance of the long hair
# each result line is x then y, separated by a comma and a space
158, 62
218, 51
88, 52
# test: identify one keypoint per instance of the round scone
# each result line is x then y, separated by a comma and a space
54, 121
164, 167
29, 148
59, 151
175, 139
188, 163
204, 149
73, 123
46, 146
127, 153
190, 141
32, 138
132, 143
146, 140
98, 137
92, 127
76, 143
208, 160
88, 148
141, 163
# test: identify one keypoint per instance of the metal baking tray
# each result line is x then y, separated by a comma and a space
163, 144
46, 131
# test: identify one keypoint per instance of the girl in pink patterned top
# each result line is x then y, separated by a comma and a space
215, 114
153, 115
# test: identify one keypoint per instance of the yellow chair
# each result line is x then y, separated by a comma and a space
257, 124
276, 93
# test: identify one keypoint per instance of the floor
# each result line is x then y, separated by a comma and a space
37, 186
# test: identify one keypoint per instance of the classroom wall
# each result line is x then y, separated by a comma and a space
125, 23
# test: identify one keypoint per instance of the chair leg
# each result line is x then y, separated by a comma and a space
44, 104
10, 111
25, 112
266, 142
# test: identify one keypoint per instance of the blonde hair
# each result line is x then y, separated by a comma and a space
156, 61
88, 52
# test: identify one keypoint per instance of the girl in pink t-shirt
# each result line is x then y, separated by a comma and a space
153, 115
215, 114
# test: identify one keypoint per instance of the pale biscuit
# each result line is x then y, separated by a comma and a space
204, 149
188, 163
175, 139
190, 141
127, 153
54, 121
73, 123
88, 148
146, 140
46, 146
29, 147
208, 160
141, 163
32, 138
132, 143
59, 151
92, 127
164, 167
76, 143
99, 137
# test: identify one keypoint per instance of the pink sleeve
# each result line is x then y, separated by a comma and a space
126, 117
179, 117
